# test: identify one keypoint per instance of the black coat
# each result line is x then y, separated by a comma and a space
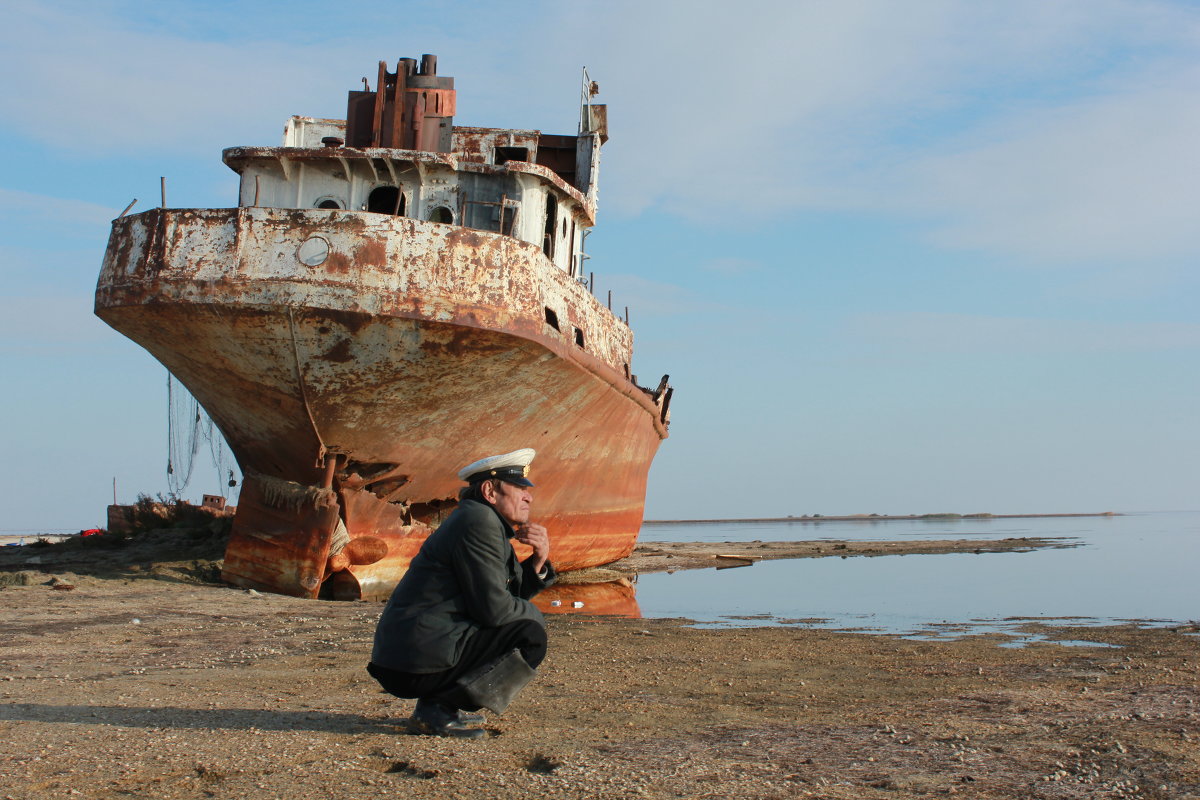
465, 577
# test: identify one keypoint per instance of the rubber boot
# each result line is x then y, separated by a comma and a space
434, 719
496, 684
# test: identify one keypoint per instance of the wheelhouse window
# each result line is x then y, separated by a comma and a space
506, 154
551, 227
485, 215
442, 214
386, 200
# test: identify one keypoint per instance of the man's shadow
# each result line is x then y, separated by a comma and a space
220, 718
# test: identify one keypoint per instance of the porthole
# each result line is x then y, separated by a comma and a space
329, 203
313, 251
442, 214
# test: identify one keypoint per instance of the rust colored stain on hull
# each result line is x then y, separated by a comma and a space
354, 360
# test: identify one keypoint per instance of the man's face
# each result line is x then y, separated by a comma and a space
511, 501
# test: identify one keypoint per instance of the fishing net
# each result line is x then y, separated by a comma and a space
189, 429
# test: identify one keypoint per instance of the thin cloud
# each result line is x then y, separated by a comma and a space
29, 207
731, 266
645, 296
50, 243
52, 325
1111, 178
110, 80
1048, 131
1054, 132
987, 335
103, 87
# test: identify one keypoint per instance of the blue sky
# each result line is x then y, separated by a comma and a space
897, 257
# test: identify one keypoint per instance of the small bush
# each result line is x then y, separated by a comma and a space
149, 514
161, 513
106, 541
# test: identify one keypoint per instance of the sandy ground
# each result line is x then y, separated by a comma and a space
148, 682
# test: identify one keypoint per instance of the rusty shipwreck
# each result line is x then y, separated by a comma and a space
395, 296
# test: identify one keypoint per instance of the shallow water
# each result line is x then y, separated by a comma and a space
1139, 567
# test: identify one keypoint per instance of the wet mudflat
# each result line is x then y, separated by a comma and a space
138, 687
1134, 566
650, 557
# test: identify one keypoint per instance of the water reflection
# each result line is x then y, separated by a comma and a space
612, 599
1130, 568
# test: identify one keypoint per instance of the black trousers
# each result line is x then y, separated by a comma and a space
483, 647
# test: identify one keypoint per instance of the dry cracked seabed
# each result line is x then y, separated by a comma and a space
151, 688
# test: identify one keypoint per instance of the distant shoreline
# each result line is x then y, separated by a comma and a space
877, 518
6, 539
14, 538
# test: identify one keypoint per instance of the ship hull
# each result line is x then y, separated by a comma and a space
411, 349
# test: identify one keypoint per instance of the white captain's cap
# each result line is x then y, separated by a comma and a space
511, 467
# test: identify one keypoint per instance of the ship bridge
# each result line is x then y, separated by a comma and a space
398, 153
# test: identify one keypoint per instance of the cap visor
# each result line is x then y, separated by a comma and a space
519, 482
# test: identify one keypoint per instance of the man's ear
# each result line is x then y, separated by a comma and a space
488, 490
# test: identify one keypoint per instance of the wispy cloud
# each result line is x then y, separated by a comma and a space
99, 85
1103, 179
985, 335
114, 78
645, 296
27, 207
51, 242
1056, 132
52, 325
730, 266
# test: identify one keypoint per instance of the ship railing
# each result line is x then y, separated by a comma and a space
587, 91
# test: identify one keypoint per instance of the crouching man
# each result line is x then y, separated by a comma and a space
459, 633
